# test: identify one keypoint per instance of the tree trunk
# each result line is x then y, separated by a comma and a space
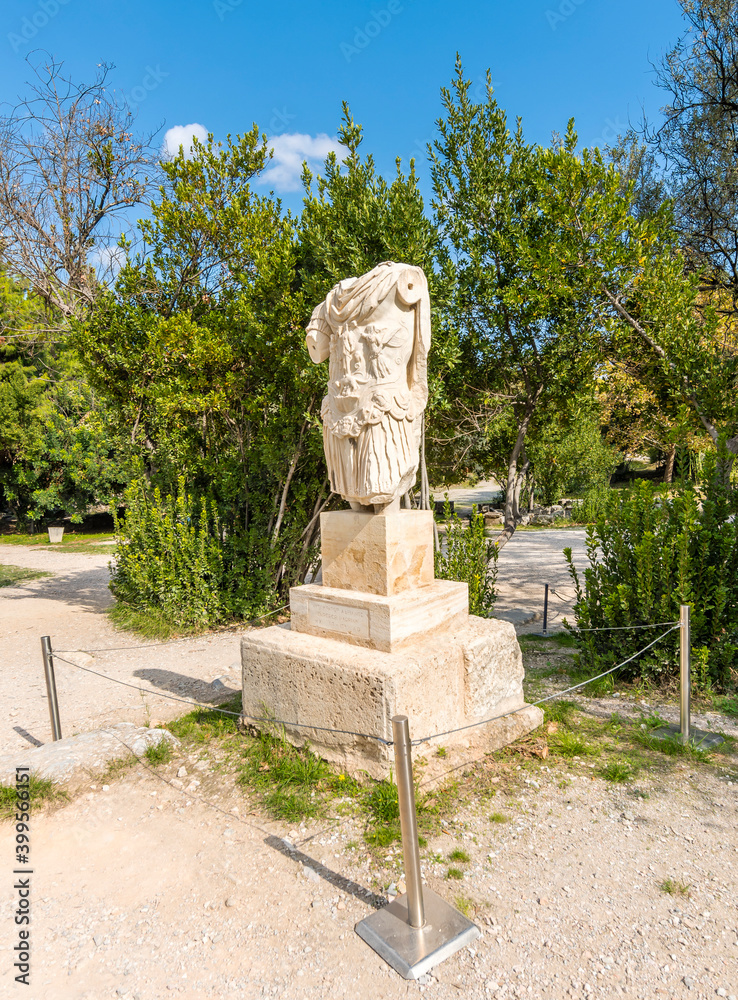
669, 470
515, 478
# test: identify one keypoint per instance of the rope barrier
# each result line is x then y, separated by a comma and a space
556, 694
214, 708
623, 628
369, 736
171, 642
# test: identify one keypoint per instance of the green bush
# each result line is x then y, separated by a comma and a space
469, 557
648, 553
571, 458
172, 558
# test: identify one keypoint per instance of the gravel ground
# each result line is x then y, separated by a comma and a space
141, 889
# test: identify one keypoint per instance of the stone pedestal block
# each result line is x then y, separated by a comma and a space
383, 554
386, 623
463, 674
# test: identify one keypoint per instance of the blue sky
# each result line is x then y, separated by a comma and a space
223, 64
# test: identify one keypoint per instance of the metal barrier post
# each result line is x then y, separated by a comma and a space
51, 687
545, 611
418, 929
408, 819
685, 671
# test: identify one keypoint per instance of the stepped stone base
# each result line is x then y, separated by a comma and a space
467, 671
376, 621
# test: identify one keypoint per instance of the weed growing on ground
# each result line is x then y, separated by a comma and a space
456, 873
159, 754
458, 855
497, 817
617, 771
560, 711
568, 744
674, 888
41, 791
465, 905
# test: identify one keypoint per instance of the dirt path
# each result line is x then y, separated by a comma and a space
69, 606
141, 890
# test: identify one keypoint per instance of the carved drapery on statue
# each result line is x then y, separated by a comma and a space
375, 331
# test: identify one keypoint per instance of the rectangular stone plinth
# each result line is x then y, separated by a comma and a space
383, 554
442, 681
378, 622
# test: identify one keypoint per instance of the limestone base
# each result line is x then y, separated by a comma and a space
468, 672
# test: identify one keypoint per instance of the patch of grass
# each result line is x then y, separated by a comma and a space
159, 754
458, 855
149, 623
465, 905
454, 873
205, 724
568, 744
41, 791
441, 752
11, 575
617, 771
674, 888
727, 704
669, 746
72, 540
383, 807
497, 817
560, 711
293, 782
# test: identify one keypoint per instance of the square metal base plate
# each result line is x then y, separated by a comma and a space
697, 737
412, 951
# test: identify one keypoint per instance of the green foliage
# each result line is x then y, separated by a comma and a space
57, 453
159, 754
536, 231
454, 873
40, 790
497, 817
617, 771
468, 556
593, 506
458, 855
649, 554
289, 779
673, 887
569, 744
570, 457
171, 556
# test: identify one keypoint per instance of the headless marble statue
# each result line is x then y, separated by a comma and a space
375, 331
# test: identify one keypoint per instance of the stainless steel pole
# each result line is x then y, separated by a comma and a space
51, 687
545, 611
684, 670
408, 820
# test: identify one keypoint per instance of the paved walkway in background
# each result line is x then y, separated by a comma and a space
531, 559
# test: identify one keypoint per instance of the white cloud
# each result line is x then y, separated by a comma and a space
289, 151
182, 135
